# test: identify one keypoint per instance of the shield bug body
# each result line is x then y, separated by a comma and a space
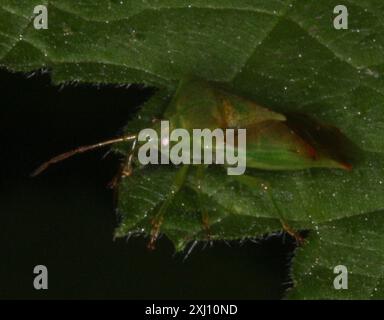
275, 141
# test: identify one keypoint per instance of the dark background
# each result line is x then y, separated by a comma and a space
65, 218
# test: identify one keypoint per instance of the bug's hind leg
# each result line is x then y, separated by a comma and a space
292, 232
286, 227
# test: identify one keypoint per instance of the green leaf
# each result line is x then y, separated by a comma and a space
285, 55
353, 242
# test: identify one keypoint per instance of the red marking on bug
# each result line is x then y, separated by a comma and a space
311, 151
346, 166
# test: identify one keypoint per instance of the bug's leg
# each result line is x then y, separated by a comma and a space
205, 221
286, 227
126, 168
204, 214
155, 231
292, 232
117, 177
158, 218
157, 221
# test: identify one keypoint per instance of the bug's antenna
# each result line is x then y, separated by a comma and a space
81, 149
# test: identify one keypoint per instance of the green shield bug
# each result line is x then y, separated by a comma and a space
274, 141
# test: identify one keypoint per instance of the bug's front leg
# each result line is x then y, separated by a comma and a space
155, 231
126, 167
157, 220
204, 214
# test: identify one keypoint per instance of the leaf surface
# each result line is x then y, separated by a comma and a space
285, 55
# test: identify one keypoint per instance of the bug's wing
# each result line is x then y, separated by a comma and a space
199, 104
298, 143
238, 112
274, 140
328, 141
